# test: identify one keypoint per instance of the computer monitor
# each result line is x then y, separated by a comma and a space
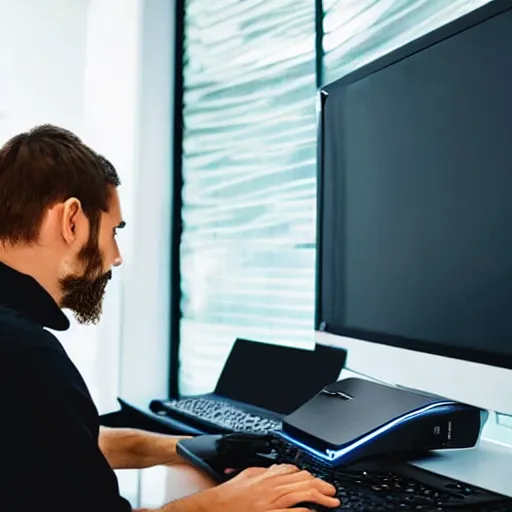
415, 213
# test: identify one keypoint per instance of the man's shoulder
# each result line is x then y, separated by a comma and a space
33, 358
39, 354
18, 333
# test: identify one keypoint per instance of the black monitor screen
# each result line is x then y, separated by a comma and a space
415, 226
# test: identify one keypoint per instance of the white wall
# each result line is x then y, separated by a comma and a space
42, 57
146, 293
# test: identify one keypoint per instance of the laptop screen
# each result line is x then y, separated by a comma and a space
277, 378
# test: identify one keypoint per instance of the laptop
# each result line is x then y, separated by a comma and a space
259, 385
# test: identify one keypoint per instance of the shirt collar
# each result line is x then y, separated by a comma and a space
24, 294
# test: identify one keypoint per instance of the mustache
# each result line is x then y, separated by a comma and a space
76, 283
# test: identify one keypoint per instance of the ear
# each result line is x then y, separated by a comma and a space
72, 223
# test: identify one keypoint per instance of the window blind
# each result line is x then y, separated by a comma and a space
247, 250
359, 31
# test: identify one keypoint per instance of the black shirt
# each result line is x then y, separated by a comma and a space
49, 425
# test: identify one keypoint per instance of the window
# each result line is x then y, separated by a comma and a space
247, 248
247, 251
359, 31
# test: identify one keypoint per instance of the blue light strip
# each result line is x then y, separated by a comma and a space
332, 456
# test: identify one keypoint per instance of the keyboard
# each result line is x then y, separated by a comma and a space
384, 487
219, 416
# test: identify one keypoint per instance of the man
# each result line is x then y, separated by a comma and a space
59, 214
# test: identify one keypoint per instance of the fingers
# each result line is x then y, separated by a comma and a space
282, 470
295, 509
251, 473
295, 486
304, 477
275, 472
272, 471
286, 475
311, 495
325, 488
308, 482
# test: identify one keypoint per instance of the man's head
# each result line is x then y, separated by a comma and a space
59, 213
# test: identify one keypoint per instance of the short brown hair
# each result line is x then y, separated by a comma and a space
42, 167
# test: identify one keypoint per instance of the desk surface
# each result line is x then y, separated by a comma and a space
487, 466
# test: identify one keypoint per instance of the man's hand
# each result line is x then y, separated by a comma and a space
261, 490
273, 489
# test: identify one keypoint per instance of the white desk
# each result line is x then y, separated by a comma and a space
489, 466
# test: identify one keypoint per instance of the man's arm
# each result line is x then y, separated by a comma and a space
128, 448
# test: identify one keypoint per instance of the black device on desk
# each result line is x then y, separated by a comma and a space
259, 384
356, 419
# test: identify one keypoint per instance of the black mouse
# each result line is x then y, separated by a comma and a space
214, 454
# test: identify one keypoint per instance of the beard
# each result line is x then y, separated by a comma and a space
84, 294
